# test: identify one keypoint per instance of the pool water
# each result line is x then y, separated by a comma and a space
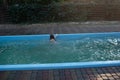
81, 49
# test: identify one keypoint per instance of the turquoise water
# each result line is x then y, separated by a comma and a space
74, 50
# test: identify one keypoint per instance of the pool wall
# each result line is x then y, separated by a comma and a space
59, 36
59, 65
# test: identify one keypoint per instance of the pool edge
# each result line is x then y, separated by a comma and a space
59, 65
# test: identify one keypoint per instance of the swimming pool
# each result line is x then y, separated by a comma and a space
69, 51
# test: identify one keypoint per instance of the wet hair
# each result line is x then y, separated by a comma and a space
52, 36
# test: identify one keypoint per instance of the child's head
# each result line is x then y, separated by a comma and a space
52, 37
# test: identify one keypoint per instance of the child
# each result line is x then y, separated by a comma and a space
52, 38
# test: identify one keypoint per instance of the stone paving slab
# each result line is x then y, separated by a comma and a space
98, 73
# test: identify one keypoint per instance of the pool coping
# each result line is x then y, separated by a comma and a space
59, 65
47, 35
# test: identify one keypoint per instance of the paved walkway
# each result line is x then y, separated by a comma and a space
103, 73
88, 27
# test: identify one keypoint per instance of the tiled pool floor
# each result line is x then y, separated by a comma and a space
103, 73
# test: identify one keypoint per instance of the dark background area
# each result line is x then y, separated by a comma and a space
45, 11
